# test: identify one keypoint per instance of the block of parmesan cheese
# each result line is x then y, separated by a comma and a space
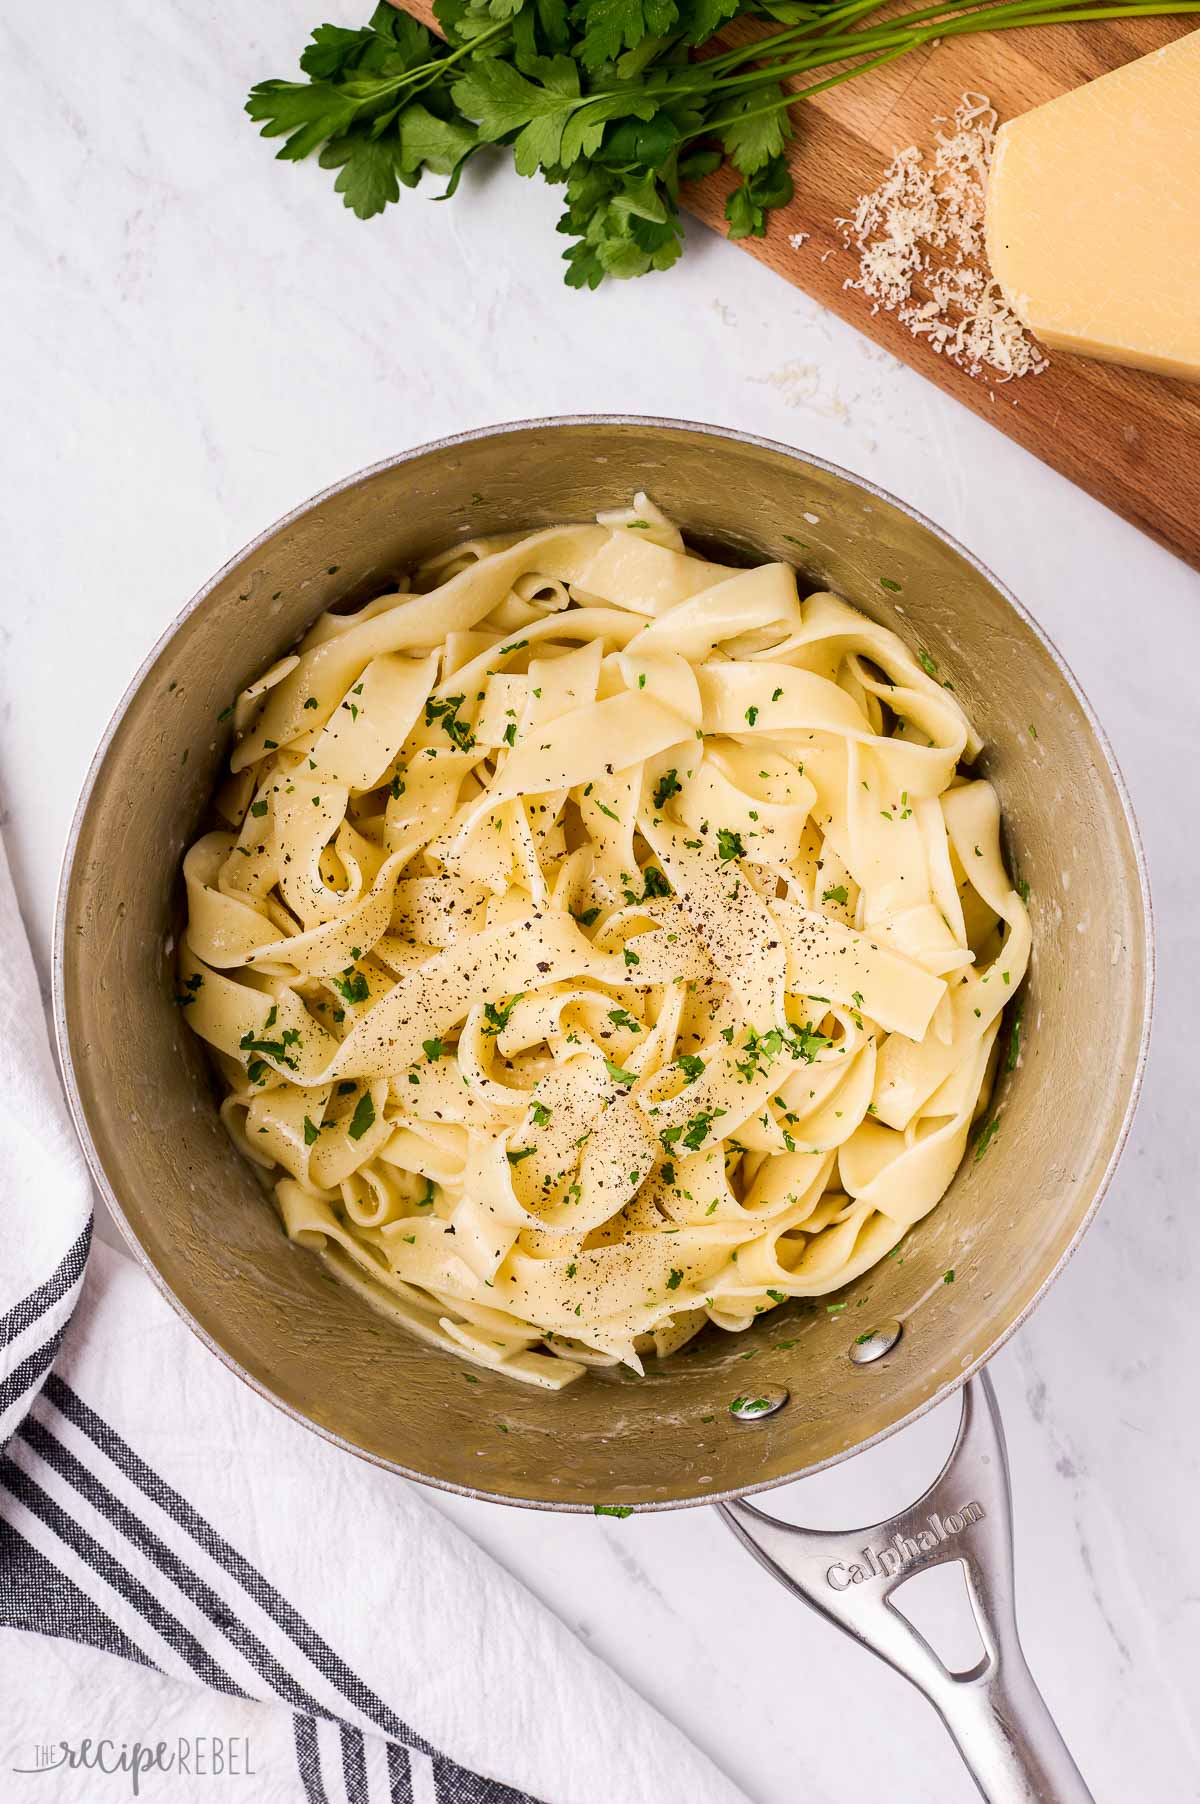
1093, 215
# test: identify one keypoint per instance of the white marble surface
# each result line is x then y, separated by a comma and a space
197, 338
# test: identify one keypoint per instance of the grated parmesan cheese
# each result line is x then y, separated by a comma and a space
920, 248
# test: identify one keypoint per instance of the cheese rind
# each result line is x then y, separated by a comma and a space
1093, 215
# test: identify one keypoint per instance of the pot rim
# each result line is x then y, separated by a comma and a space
499, 430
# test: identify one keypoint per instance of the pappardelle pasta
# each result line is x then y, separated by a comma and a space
600, 942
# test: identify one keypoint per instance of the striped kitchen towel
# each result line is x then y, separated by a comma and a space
199, 1600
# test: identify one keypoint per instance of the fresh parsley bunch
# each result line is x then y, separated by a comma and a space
600, 97
618, 101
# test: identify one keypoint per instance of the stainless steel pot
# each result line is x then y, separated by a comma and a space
144, 1101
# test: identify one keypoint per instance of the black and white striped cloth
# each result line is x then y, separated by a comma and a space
182, 1564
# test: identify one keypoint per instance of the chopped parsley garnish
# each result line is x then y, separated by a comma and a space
273, 1049
694, 1133
311, 702
675, 1279
518, 1153
311, 1130
837, 894
622, 1018
655, 885
540, 1113
691, 1064
618, 1073
751, 716
433, 1050
510, 733
668, 785
495, 1020
729, 844
610, 812
352, 985
619, 1510
445, 708
987, 1136
801, 1042
948, 1277
363, 1117
258, 809
587, 917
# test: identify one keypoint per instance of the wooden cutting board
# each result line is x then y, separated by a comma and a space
1130, 439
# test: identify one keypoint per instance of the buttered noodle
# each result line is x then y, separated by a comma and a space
601, 942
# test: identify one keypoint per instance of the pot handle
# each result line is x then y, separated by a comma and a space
994, 1711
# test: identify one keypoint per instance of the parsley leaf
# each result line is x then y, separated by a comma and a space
495, 1020
364, 1116
444, 708
986, 1136
668, 785
352, 985
616, 25
747, 207
754, 139
622, 1018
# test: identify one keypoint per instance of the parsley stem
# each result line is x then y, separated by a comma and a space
884, 44
431, 71
790, 99
771, 42
834, 46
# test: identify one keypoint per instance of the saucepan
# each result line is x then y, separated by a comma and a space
820, 1385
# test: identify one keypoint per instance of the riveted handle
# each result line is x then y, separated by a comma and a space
994, 1711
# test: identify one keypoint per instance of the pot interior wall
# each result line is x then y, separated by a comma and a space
145, 1096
